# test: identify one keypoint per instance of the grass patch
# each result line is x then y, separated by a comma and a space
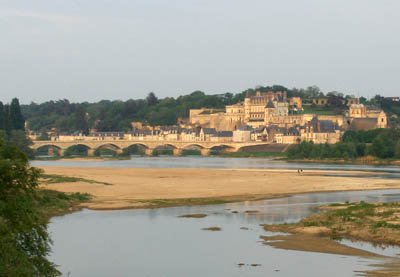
384, 224
183, 202
56, 179
377, 223
52, 203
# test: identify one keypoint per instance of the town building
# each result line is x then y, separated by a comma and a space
273, 117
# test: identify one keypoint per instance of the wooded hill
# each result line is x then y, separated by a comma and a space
67, 117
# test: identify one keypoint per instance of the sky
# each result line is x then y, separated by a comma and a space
88, 50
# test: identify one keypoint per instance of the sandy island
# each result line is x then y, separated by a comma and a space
156, 187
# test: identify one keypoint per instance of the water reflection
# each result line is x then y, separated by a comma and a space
159, 243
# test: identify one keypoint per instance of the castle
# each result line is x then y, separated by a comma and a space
285, 118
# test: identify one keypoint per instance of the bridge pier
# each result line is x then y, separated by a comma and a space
148, 152
90, 152
230, 150
177, 152
205, 152
61, 152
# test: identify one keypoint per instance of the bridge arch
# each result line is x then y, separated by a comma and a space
110, 146
144, 145
221, 147
193, 145
165, 145
136, 149
46, 145
166, 149
78, 149
106, 149
48, 150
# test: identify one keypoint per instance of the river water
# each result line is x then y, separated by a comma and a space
157, 242
212, 162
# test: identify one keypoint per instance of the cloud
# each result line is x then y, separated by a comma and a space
45, 16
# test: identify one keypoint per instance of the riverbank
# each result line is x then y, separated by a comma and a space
368, 160
374, 223
166, 187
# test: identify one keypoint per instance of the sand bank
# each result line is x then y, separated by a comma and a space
148, 187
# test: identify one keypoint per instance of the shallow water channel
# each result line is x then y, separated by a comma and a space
156, 242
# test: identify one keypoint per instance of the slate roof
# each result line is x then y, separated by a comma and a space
209, 131
323, 126
107, 134
225, 134
358, 124
270, 105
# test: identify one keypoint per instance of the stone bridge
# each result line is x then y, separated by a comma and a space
118, 145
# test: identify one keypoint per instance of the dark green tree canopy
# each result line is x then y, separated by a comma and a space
2, 117
24, 242
17, 121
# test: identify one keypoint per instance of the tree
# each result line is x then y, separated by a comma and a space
7, 121
382, 146
81, 123
397, 150
22, 142
151, 99
16, 119
2, 117
24, 241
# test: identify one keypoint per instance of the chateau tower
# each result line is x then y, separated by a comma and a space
269, 111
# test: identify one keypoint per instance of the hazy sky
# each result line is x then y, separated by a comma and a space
87, 50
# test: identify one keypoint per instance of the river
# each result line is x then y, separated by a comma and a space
212, 162
157, 242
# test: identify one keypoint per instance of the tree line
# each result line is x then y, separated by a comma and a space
12, 126
11, 117
105, 115
380, 143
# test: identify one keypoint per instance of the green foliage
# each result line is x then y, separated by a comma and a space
16, 119
370, 135
309, 150
24, 242
22, 142
107, 116
104, 152
191, 152
384, 224
397, 150
258, 154
55, 179
383, 146
3, 117
76, 150
381, 143
133, 150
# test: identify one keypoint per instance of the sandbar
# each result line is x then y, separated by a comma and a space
158, 187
